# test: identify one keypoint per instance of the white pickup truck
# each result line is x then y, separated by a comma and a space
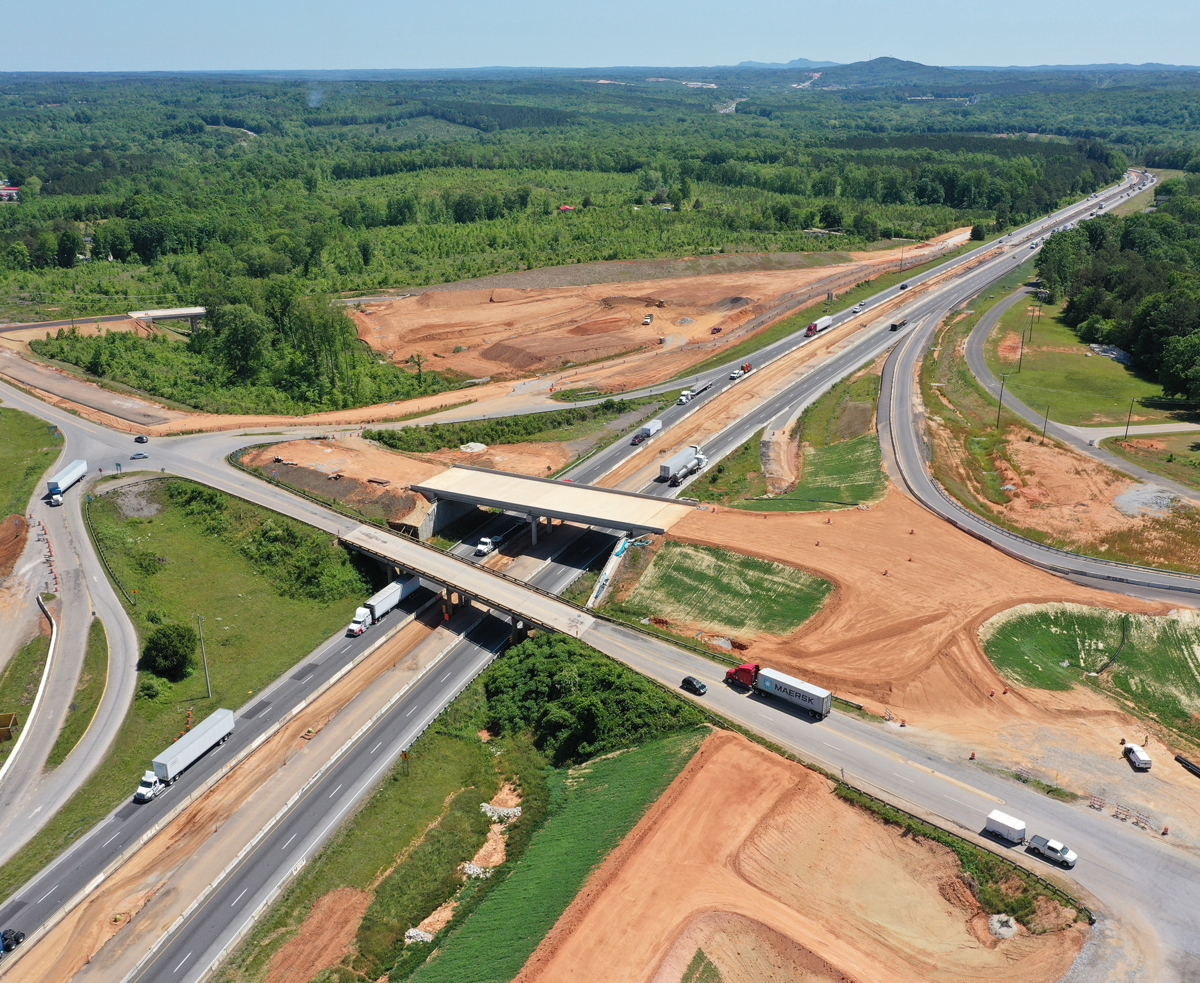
1053, 850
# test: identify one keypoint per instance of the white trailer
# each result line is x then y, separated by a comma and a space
812, 698
681, 464
1005, 826
647, 430
64, 480
376, 606
211, 731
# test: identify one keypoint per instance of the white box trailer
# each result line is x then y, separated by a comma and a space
212, 730
1005, 826
812, 698
64, 480
651, 428
376, 606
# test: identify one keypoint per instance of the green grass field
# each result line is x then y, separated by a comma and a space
720, 590
90, 688
252, 634
841, 475
592, 807
28, 446
701, 970
1059, 371
1156, 674
1178, 457
19, 684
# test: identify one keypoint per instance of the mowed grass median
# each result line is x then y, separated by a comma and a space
1156, 674
723, 591
199, 552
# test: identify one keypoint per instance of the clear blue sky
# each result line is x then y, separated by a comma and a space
128, 35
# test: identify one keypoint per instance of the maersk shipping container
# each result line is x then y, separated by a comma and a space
812, 698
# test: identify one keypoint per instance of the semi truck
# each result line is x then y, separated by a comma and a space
64, 480
186, 751
741, 371
681, 465
897, 325
808, 697
1005, 826
375, 607
819, 325
647, 430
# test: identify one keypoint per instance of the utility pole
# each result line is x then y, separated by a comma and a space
1045, 423
204, 655
1129, 417
1021, 356
1003, 380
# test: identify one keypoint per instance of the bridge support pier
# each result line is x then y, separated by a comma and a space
520, 631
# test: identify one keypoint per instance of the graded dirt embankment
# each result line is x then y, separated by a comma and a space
901, 631
750, 859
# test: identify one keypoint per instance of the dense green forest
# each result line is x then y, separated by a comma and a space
263, 198
1134, 282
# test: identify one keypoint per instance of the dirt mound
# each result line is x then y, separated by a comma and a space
729, 304
324, 938
12, 542
601, 326
742, 865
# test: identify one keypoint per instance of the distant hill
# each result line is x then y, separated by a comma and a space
794, 63
887, 71
1150, 66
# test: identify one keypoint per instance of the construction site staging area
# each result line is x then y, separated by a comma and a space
748, 866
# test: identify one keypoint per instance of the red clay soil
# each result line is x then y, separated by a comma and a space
745, 857
12, 542
324, 938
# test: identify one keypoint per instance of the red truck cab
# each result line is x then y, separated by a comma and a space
744, 674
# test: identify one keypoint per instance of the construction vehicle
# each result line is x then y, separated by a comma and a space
819, 325
1005, 826
186, 751
64, 480
681, 465
376, 606
814, 699
1053, 850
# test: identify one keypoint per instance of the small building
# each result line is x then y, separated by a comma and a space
566, 208
10, 193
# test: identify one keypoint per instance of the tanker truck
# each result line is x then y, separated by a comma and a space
681, 465
762, 680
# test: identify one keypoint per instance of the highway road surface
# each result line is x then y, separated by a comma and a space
875, 756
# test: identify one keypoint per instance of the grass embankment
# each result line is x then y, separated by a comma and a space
550, 701
1060, 372
723, 591
797, 322
88, 692
19, 685
971, 456
1174, 456
1155, 675
591, 809
839, 460
28, 446
701, 970
256, 578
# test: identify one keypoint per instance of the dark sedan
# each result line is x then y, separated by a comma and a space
692, 685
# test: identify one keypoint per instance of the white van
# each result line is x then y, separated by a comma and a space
1138, 757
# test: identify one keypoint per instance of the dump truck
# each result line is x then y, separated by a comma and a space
1053, 850
64, 480
808, 697
1004, 826
682, 464
186, 751
647, 430
819, 325
374, 608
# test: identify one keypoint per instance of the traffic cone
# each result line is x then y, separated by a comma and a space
972, 758
1166, 830
903, 722
992, 694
